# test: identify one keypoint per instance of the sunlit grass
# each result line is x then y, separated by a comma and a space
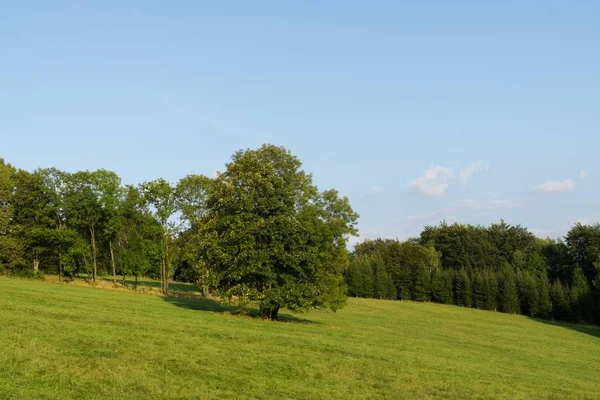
66, 341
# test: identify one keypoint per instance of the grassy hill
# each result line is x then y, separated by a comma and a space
63, 341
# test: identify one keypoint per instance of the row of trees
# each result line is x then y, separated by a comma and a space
260, 231
500, 267
263, 233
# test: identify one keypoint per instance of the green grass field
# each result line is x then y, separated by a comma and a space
61, 341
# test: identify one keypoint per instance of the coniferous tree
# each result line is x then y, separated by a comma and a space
359, 277
491, 290
478, 288
441, 286
509, 297
403, 282
560, 304
353, 277
462, 289
528, 294
383, 286
580, 297
545, 302
367, 278
421, 284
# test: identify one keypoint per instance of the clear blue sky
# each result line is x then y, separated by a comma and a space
386, 101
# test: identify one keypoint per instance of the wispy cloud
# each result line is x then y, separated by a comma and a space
377, 189
555, 186
468, 172
583, 174
436, 180
444, 213
472, 204
474, 208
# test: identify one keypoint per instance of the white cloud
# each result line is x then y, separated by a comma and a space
444, 213
584, 173
555, 186
377, 189
468, 172
435, 181
472, 204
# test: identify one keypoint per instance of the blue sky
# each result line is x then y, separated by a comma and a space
417, 111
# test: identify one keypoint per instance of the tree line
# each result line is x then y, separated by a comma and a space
260, 232
500, 267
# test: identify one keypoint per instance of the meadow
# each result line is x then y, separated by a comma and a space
63, 341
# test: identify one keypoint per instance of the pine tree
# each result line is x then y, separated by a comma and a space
367, 278
560, 305
421, 284
491, 290
359, 277
478, 286
581, 300
528, 294
462, 289
382, 282
545, 303
403, 282
509, 298
442, 286
353, 278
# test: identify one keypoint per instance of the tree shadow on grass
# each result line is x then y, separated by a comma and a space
198, 303
585, 329
142, 283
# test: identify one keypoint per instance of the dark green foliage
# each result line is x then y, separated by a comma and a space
462, 289
491, 290
383, 286
583, 242
545, 301
359, 277
581, 299
441, 286
560, 302
529, 294
479, 291
271, 237
509, 296
408, 265
262, 232
421, 286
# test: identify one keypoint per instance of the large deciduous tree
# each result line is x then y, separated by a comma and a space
272, 238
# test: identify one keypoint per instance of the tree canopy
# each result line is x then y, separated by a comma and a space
272, 238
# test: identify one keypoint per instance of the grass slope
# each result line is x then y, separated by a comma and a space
61, 341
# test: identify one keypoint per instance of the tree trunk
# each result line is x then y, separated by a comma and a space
167, 266
93, 240
275, 314
204, 291
112, 261
271, 314
60, 267
162, 273
136, 281
36, 264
